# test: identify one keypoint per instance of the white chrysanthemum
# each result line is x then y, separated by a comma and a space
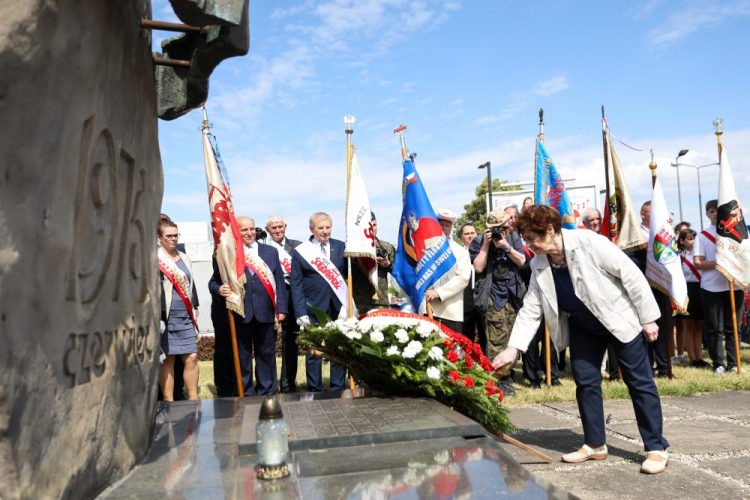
353, 334
435, 353
425, 330
401, 336
433, 372
392, 351
414, 348
376, 336
351, 322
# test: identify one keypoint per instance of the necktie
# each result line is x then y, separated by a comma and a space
323, 249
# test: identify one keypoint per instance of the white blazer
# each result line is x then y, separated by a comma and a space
451, 303
167, 285
604, 279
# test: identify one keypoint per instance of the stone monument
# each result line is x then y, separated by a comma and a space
80, 194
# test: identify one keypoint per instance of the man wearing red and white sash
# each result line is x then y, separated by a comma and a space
263, 307
318, 280
715, 299
276, 228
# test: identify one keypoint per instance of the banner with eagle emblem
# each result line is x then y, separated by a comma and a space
424, 258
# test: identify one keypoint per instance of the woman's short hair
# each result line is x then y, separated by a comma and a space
684, 234
536, 219
165, 223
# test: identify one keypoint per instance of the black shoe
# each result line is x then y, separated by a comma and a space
508, 390
556, 382
700, 364
536, 385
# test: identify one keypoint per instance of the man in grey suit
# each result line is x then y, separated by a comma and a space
276, 228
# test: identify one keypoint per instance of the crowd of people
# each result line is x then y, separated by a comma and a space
521, 277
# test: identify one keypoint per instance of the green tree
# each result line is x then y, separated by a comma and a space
475, 212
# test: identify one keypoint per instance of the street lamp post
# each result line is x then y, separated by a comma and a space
676, 163
700, 197
489, 183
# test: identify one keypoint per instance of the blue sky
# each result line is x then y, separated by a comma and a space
468, 79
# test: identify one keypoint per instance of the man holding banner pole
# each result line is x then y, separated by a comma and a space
265, 303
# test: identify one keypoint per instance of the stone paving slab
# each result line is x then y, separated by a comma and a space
620, 410
526, 418
697, 436
725, 404
622, 480
734, 467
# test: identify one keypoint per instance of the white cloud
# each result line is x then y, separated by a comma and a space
521, 99
296, 185
694, 17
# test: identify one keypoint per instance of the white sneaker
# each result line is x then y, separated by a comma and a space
720, 370
676, 360
733, 369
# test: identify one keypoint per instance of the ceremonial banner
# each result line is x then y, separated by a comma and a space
230, 255
732, 244
423, 258
663, 263
620, 223
549, 188
360, 239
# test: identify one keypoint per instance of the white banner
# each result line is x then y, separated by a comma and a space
360, 237
663, 263
329, 272
732, 244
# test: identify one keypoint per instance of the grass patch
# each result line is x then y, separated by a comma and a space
687, 382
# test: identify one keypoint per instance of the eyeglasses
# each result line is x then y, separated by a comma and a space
171, 236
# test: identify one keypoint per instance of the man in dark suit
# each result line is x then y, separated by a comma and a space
276, 228
318, 279
265, 284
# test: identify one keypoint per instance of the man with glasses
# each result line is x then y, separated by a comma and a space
497, 256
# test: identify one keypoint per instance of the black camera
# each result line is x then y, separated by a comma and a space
380, 252
260, 234
498, 233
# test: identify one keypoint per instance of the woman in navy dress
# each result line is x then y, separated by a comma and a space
179, 335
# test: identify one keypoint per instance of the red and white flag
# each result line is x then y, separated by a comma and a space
360, 237
229, 252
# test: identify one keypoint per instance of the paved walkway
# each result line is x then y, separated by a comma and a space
709, 454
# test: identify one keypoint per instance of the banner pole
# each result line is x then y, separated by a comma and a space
236, 355
547, 343
717, 123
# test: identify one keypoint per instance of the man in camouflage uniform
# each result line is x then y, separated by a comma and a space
497, 255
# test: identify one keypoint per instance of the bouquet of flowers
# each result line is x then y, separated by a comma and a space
396, 353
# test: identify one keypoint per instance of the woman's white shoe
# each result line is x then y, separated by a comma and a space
586, 453
656, 462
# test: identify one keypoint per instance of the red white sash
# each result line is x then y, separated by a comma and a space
284, 259
691, 267
709, 236
261, 269
328, 271
179, 280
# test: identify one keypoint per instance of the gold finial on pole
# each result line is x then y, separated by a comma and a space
652, 166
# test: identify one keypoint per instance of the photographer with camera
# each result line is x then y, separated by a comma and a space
498, 255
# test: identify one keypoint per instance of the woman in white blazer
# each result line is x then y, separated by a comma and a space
590, 293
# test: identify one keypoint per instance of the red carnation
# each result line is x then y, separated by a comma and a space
469, 362
491, 383
500, 396
448, 343
468, 381
454, 375
452, 356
